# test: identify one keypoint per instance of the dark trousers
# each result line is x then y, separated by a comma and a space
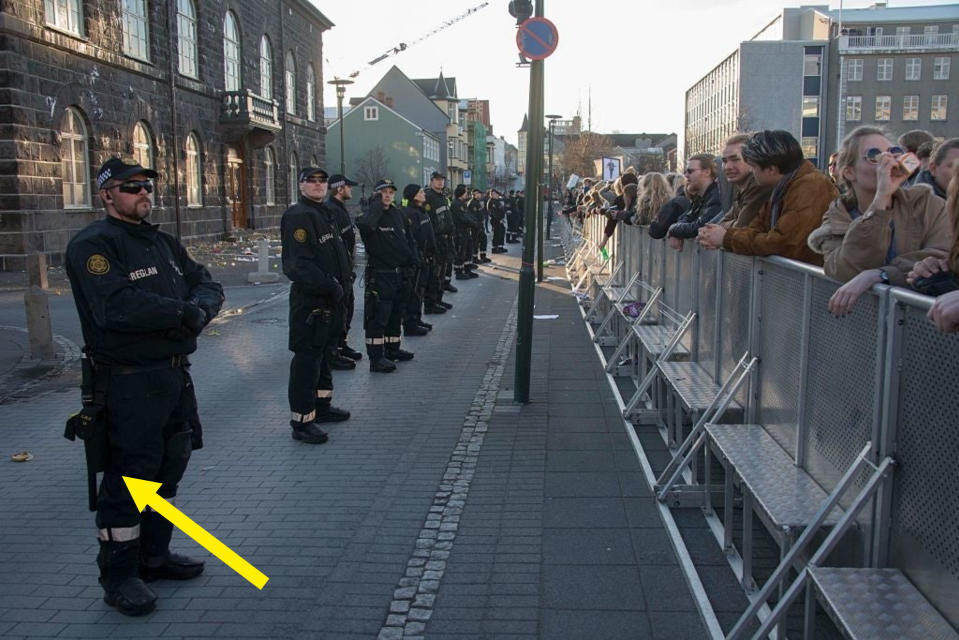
151, 416
480, 241
414, 303
384, 305
349, 302
314, 332
464, 246
499, 233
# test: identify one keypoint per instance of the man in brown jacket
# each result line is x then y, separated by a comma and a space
748, 195
800, 197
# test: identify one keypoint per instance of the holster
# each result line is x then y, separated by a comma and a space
90, 424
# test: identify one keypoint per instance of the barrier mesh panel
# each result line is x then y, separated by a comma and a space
734, 325
706, 320
687, 279
840, 398
781, 308
669, 279
925, 544
656, 248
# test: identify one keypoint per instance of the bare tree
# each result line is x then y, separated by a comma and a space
371, 167
580, 151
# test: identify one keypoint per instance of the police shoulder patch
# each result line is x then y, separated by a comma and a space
300, 235
428, 207
98, 265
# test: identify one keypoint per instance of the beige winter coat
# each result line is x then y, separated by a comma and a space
849, 247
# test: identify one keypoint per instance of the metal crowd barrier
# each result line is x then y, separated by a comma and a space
826, 386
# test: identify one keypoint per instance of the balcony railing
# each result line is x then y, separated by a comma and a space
244, 107
911, 42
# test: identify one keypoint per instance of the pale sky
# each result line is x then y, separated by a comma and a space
639, 56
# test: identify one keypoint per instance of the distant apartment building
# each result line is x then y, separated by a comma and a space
819, 73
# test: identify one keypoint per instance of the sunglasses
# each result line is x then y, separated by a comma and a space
133, 187
872, 154
690, 171
316, 179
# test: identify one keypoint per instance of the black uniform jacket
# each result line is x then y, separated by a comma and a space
439, 207
461, 216
344, 224
131, 283
422, 229
315, 258
384, 235
496, 210
477, 211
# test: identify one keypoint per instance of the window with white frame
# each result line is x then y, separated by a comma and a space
884, 69
853, 108
310, 93
940, 68
371, 113
910, 108
930, 33
136, 32
74, 163
939, 104
194, 196
913, 68
63, 14
883, 108
269, 163
810, 106
231, 53
810, 146
902, 31
266, 68
142, 145
812, 64
294, 174
854, 69
290, 83
186, 37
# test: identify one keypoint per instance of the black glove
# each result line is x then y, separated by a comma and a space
194, 318
337, 293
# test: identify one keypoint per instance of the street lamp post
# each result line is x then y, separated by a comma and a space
340, 84
550, 181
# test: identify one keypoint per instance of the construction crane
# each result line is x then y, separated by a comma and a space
403, 46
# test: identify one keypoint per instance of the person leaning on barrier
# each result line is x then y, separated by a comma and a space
622, 207
702, 189
942, 164
669, 213
943, 275
748, 195
880, 228
800, 196
653, 192
142, 302
318, 264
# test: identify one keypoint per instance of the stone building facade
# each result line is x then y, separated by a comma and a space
222, 97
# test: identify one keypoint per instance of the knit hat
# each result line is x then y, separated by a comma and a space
410, 190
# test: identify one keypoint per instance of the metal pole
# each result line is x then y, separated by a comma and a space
550, 181
339, 109
534, 169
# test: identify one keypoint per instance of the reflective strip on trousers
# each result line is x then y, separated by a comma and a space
392, 339
324, 393
119, 534
375, 341
303, 417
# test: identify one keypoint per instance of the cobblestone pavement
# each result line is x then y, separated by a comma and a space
441, 509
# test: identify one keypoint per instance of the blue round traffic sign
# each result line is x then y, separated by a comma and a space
537, 38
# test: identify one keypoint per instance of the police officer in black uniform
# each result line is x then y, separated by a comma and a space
464, 225
341, 190
477, 212
318, 264
422, 229
142, 302
438, 207
391, 259
497, 219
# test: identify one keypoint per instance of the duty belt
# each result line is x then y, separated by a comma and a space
172, 362
393, 270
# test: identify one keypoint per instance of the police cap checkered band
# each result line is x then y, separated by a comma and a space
306, 172
385, 183
121, 169
339, 180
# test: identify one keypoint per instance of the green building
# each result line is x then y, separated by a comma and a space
381, 143
478, 154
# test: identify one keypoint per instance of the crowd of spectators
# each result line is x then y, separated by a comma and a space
870, 217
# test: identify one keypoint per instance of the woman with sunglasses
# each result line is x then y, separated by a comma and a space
879, 228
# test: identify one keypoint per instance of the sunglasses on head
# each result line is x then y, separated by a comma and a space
872, 154
133, 186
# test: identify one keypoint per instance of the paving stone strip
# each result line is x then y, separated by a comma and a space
415, 594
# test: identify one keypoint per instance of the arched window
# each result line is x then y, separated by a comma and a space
136, 29
64, 14
143, 145
186, 37
269, 163
194, 193
310, 93
231, 53
290, 83
266, 68
74, 164
294, 174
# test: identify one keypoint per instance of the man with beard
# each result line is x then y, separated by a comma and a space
341, 190
438, 208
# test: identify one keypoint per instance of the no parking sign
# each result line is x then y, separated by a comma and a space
537, 38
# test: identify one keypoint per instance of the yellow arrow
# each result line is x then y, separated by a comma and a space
144, 494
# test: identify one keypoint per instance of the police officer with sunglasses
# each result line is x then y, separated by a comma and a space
142, 302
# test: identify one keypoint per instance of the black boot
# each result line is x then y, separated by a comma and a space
398, 354
122, 587
342, 363
462, 274
446, 305
308, 432
448, 286
378, 363
330, 413
413, 329
156, 560
350, 353
431, 308
484, 259
425, 325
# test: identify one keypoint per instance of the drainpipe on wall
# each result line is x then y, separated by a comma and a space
171, 19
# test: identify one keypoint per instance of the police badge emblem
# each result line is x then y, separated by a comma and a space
300, 235
98, 265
